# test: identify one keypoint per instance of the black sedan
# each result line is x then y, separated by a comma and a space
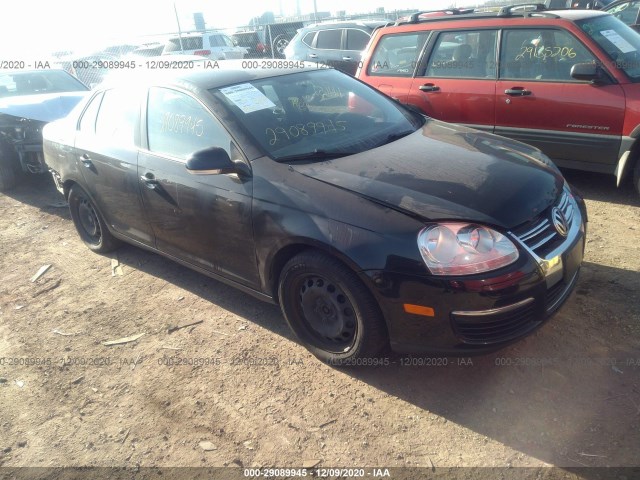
370, 225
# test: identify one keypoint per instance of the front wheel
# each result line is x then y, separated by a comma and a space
331, 311
636, 178
89, 223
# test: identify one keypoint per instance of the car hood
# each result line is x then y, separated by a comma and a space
44, 107
448, 172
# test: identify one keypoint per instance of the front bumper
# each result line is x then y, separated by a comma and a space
482, 313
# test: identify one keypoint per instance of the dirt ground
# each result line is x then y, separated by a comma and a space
236, 390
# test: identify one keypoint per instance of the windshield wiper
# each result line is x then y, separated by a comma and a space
317, 154
397, 136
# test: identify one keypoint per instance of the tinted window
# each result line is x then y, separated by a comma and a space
188, 43
178, 125
357, 39
308, 38
118, 116
541, 54
464, 54
397, 55
88, 120
329, 39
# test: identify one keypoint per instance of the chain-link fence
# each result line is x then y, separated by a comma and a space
256, 40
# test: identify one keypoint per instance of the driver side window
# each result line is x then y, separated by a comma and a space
178, 125
541, 54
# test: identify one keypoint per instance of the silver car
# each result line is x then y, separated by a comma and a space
213, 45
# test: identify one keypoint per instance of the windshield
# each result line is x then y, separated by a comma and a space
316, 114
37, 82
620, 42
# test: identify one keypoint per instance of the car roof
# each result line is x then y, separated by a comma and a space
347, 23
196, 34
497, 16
220, 74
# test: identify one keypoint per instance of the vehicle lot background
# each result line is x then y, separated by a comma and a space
569, 395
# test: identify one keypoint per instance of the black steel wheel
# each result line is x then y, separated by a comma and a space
89, 223
331, 310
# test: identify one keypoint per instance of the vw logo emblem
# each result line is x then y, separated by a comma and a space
559, 222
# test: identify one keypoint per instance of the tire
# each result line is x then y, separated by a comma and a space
279, 44
9, 167
89, 223
331, 311
636, 177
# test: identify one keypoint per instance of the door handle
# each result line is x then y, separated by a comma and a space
86, 160
517, 92
347, 59
429, 87
313, 55
149, 180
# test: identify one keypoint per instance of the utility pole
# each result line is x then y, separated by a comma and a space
175, 9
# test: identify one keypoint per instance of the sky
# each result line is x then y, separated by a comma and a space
39, 26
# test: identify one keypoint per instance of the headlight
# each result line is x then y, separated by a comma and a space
464, 249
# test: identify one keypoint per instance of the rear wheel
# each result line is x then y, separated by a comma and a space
331, 310
89, 223
279, 44
636, 177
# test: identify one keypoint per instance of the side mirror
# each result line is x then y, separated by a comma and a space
215, 161
589, 72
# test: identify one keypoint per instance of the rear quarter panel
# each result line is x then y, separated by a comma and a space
58, 147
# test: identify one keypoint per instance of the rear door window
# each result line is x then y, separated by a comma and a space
118, 116
357, 39
397, 55
329, 39
88, 120
464, 54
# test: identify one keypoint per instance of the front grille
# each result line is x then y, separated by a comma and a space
540, 235
481, 328
557, 294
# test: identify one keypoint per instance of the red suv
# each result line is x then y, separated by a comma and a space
566, 81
